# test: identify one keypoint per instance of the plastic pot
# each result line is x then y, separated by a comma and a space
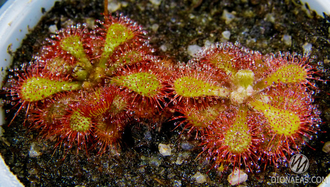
16, 17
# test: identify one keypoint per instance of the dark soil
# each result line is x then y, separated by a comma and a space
181, 23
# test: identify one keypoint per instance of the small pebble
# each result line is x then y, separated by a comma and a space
191, 16
173, 5
226, 35
52, 28
155, 2
170, 175
270, 17
163, 47
124, 4
200, 178
326, 113
326, 147
193, 50
142, 169
237, 177
307, 47
186, 145
154, 27
182, 157
68, 22
228, 17
147, 136
264, 43
179, 160
287, 39
113, 6
34, 151
251, 41
164, 149
177, 183
207, 43
155, 161
90, 22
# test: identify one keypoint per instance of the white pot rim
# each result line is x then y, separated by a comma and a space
16, 16
319, 6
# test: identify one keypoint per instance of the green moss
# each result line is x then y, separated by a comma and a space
192, 87
146, 84
37, 88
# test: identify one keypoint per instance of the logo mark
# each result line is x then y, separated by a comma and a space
299, 163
